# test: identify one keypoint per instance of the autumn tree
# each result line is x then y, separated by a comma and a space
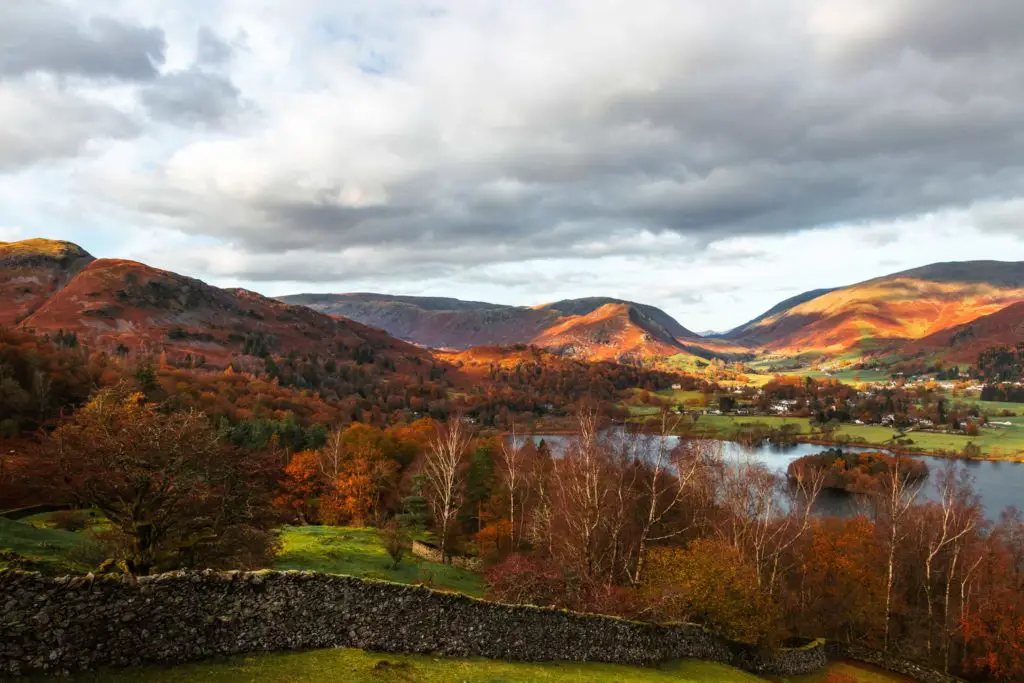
173, 494
443, 471
302, 486
708, 582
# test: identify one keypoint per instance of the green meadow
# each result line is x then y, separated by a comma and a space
358, 552
358, 666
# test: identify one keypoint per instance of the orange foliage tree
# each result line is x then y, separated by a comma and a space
709, 583
302, 486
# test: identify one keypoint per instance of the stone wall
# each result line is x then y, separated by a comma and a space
433, 553
889, 662
63, 624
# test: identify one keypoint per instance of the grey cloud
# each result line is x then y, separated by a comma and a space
940, 29
750, 129
211, 50
41, 36
192, 96
71, 122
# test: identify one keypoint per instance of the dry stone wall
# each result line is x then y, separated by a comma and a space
64, 624
889, 662
432, 553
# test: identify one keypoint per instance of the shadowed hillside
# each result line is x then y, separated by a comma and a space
595, 327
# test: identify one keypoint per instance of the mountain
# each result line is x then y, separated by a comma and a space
597, 328
963, 343
781, 307
115, 304
31, 271
886, 311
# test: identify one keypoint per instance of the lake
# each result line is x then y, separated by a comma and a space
1000, 484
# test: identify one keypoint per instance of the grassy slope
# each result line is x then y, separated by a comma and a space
358, 552
335, 550
51, 551
343, 664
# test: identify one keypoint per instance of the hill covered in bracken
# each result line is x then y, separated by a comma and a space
115, 304
31, 271
887, 312
963, 343
595, 328
242, 356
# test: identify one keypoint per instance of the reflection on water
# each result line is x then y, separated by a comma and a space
1000, 484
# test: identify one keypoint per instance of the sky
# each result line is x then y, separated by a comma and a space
710, 157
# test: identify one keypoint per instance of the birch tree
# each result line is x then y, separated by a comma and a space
443, 471
898, 493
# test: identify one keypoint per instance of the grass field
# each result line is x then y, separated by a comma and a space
357, 666
335, 550
1002, 443
990, 408
725, 423
358, 552
47, 550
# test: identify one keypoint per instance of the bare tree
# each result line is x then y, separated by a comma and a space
624, 470
672, 472
762, 524
801, 492
581, 494
956, 518
513, 470
443, 470
332, 457
898, 492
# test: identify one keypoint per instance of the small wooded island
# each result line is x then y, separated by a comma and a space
857, 472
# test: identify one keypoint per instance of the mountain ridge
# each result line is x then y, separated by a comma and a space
597, 328
115, 304
886, 311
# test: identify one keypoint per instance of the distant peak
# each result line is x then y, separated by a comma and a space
39, 247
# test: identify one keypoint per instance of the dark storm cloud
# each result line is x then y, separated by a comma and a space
192, 96
42, 36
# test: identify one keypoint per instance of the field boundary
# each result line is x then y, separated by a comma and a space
70, 623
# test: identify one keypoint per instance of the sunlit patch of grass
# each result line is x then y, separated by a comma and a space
357, 666
358, 552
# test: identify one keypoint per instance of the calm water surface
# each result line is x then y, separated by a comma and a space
1000, 484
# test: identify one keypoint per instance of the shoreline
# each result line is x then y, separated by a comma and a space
1017, 458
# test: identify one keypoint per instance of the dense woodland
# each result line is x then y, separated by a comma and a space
1002, 363
213, 461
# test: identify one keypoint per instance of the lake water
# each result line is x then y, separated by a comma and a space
1000, 484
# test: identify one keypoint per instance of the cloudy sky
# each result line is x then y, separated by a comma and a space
711, 157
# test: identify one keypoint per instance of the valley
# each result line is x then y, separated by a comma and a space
589, 455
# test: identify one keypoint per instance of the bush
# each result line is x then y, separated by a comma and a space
70, 520
396, 541
710, 584
527, 581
